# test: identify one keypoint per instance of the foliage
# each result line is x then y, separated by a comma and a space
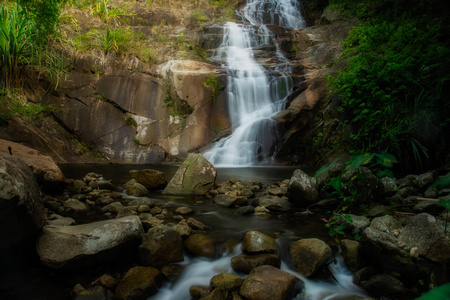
15, 105
354, 191
440, 292
442, 182
393, 88
213, 83
45, 15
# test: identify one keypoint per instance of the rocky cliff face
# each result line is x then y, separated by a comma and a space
133, 111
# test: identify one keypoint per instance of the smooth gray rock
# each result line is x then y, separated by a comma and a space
58, 246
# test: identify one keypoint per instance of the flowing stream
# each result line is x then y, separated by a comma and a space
256, 87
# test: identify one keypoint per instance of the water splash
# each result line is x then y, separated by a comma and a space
254, 96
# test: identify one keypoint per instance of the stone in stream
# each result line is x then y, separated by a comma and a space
161, 246
201, 245
270, 283
85, 244
309, 255
226, 281
258, 242
303, 189
135, 189
229, 200
139, 283
195, 176
151, 179
274, 203
244, 263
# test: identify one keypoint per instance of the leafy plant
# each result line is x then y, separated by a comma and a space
212, 82
443, 182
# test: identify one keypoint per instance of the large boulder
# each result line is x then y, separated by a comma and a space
386, 251
60, 246
22, 212
151, 179
195, 176
423, 232
309, 255
47, 173
258, 242
139, 283
274, 203
270, 283
161, 246
303, 189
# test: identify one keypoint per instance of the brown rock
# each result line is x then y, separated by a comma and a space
201, 245
245, 263
256, 242
269, 283
151, 179
309, 255
138, 283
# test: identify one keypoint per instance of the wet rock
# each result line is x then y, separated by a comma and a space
103, 201
184, 211
274, 203
423, 232
269, 283
148, 221
139, 283
114, 208
217, 294
58, 220
257, 242
379, 210
126, 211
390, 185
161, 246
195, 224
198, 292
47, 173
80, 186
142, 201
201, 245
58, 246
143, 208
385, 250
107, 281
183, 228
229, 200
303, 189
151, 179
351, 251
91, 293
245, 210
75, 207
276, 191
384, 285
426, 179
386, 224
195, 176
357, 225
309, 255
430, 207
172, 271
135, 189
101, 184
245, 263
226, 281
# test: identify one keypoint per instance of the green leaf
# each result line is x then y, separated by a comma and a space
444, 203
360, 160
336, 182
443, 181
325, 168
348, 218
440, 292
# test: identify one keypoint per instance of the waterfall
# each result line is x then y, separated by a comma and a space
256, 88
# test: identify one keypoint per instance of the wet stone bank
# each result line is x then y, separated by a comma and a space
238, 239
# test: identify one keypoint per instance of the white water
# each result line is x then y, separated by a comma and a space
254, 96
200, 271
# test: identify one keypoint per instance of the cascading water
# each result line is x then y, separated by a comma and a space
254, 96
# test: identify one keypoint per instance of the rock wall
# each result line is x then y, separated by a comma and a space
140, 118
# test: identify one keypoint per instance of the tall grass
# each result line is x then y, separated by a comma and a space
19, 51
16, 49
